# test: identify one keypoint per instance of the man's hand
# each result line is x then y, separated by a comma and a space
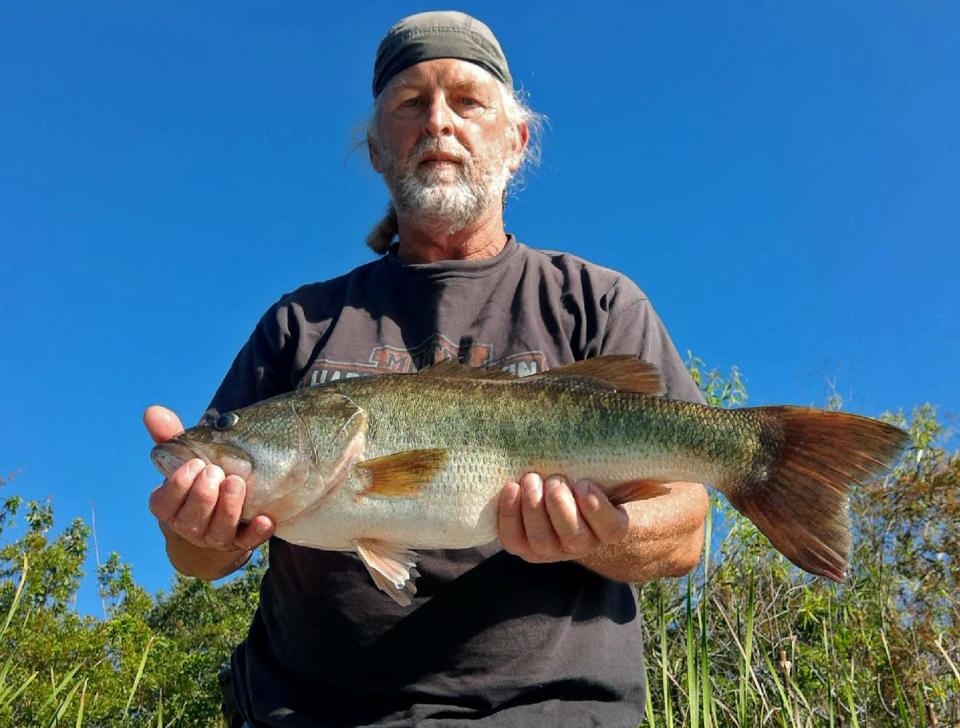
659, 536
199, 511
542, 521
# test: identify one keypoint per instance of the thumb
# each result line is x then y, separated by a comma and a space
161, 423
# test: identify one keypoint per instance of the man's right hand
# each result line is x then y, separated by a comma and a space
199, 511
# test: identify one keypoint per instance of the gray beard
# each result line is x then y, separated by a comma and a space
445, 206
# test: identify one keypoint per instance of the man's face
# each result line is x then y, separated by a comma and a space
443, 142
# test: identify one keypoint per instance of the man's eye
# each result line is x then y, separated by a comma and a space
469, 101
410, 103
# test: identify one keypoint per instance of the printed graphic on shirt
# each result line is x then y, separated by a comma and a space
437, 348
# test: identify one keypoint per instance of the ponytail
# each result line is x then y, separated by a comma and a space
384, 232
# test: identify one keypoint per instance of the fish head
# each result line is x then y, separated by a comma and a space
290, 450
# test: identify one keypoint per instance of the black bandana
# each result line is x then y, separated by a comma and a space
442, 34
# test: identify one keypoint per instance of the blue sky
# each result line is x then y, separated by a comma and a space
782, 179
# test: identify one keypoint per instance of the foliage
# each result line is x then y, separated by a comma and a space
750, 640
746, 640
151, 660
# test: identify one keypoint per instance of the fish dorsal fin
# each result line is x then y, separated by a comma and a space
453, 369
619, 373
391, 566
401, 474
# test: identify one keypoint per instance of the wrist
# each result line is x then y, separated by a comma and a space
204, 563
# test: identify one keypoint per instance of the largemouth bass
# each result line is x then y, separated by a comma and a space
387, 464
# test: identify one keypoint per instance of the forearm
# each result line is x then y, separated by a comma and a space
203, 563
665, 537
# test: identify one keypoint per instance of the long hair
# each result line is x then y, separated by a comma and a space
383, 233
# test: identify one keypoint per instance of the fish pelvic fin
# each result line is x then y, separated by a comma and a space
400, 474
636, 490
392, 567
800, 500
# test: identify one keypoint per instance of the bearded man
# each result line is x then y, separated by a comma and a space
539, 626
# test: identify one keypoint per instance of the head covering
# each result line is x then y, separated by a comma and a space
440, 34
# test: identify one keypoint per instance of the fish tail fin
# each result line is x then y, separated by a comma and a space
799, 500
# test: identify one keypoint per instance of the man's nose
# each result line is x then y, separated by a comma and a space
440, 118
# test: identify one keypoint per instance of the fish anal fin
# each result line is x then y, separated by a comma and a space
392, 568
619, 373
636, 490
401, 474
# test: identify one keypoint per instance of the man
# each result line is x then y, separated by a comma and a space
544, 628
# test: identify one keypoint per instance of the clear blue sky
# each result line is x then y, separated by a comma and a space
783, 179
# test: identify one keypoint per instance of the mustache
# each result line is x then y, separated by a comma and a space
429, 146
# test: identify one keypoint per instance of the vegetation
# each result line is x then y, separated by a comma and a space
151, 661
747, 640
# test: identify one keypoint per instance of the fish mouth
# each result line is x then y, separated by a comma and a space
170, 455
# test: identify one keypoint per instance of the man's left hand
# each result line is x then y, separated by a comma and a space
550, 520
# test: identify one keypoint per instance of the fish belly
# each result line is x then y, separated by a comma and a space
458, 509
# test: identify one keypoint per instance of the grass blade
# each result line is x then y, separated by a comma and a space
648, 699
743, 702
702, 615
784, 698
58, 687
65, 703
83, 702
664, 664
136, 680
851, 705
16, 597
692, 694
901, 698
831, 718
10, 699
953, 666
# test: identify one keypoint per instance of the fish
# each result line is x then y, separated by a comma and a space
384, 465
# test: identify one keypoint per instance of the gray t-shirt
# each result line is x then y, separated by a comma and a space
490, 639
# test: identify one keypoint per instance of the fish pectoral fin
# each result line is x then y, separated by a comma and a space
635, 490
616, 372
402, 474
392, 567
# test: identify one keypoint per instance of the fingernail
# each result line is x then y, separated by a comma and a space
213, 472
533, 487
231, 486
582, 489
552, 482
195, 466
594, 498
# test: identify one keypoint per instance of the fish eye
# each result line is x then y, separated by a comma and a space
225, 421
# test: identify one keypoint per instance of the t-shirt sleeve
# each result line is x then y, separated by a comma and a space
633, 327
261, 369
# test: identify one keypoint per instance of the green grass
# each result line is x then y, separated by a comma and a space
721, 657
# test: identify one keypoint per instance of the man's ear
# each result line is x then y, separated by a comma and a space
374, 155
521, 137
